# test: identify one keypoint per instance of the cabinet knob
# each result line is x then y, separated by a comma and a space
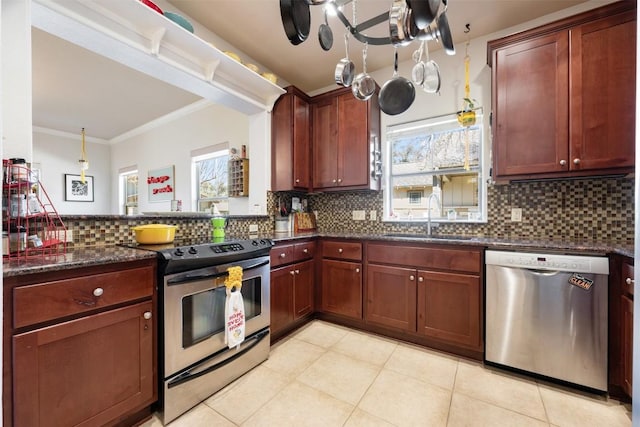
339, 250
412, 277
305, 250
339, 180
576, 161
282, 255
292, 272
420, 279
147, 315
297, 181
98, 292
334, 181
357, 270
297, 271
563, 162
630, 281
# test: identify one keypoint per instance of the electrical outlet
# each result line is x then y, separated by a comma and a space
315, 213
516, 214
373, 215
358, 215
253, 228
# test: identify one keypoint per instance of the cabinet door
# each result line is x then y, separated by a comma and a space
325, 144
87, 371
342, 288
281, 298
301, 144
627, 344
353, 142
303, 289
391, 297
603, 75
449, 307
530, 106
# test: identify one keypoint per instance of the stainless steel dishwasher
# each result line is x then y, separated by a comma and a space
547, 314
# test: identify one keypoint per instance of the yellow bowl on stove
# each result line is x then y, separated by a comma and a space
154, 234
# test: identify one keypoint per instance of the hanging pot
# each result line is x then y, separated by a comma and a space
296, 20
397, 94
345, 69
364, 86
424, 11
325, 35
444, 34
399, 31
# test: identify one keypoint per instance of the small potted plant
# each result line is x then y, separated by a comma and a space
467, 116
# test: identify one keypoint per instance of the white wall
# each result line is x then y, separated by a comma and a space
58, 154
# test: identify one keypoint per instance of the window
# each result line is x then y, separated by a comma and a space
211, 179
434, 168
129, 191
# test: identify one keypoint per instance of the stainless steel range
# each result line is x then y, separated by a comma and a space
194, 360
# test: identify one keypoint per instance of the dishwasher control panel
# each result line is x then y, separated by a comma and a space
541, 261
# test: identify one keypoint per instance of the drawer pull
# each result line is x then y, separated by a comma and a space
412, 278
98, 292
147, 315
340, 250
282, 255
629, 281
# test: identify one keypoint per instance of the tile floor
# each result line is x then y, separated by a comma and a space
326, 375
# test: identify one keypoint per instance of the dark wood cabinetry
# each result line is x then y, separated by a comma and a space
621, 290
342, 278
292, 285
83, 345
563, 96
291, 142
345, 139
433, 292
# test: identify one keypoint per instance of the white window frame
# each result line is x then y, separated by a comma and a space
197, 156
122, 189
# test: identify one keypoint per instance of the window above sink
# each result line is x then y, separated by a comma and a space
434, 169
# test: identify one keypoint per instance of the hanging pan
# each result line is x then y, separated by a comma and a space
444, 33
325, 35
296, 20
424, 11
397, 94
431, 81
345, 69
364, 86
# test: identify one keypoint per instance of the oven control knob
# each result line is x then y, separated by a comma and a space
179, 252
193, 250
254, 243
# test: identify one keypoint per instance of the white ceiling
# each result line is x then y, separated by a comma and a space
75, 88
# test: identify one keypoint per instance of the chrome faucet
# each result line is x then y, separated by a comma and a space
431, 196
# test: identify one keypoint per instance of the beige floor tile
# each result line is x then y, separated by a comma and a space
567, 409
293, 356
468, 412
240, 399
404, 401
360, 418
322, 334
300, 405
201, 416
340, 376
499, 388
423, 364
366, 347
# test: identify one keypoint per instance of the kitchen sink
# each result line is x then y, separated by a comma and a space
426, 237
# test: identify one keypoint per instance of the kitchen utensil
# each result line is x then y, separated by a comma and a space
397, 94
431, 81
345, 69
424, 11
180, 20
398, 28
364, 86
444, 33
325, 35
152, 5
154, 234
418, 71
296, 20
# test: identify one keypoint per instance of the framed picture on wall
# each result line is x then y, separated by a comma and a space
77, 191
161, 184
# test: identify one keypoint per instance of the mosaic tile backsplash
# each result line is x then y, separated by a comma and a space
596, 210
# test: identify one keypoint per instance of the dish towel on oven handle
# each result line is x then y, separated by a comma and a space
234, 309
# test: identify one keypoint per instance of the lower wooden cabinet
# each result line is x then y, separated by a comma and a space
621, 294
87, 371
627, 344
391, 297
342, 288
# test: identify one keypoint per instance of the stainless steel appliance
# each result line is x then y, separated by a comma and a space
194, 360
547, 314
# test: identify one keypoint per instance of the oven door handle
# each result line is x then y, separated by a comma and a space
209, 366
208, 274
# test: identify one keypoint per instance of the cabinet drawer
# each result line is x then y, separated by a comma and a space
281, 254
627, 275
304, 250
342, 250
51, 300
467, 260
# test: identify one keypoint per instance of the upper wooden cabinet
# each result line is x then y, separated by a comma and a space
290, 142
345, 141
563, 97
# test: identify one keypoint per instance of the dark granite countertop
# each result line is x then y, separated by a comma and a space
74, 258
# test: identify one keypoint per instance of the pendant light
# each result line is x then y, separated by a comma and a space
84, 164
